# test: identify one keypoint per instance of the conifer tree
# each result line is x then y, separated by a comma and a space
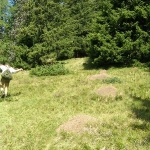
121, 33
3, 17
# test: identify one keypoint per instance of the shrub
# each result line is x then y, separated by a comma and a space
49, 70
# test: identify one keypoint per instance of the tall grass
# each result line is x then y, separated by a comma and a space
37, 106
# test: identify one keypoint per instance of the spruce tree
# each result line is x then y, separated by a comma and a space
121, 33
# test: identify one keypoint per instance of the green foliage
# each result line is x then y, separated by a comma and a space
3, 46
4, 16
17, 56
59, 28
49, 70
122, 35
109, 32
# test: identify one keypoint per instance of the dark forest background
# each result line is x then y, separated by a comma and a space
108, 32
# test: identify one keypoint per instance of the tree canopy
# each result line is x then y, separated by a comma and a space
109, 32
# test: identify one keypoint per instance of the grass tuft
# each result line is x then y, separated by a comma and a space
112, 80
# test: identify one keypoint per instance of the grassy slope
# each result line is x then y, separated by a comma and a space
38, 105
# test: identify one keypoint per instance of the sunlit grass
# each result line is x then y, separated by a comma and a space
37, 106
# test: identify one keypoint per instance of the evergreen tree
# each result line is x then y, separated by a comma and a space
3, 17
52, 29
109, 32
121, 33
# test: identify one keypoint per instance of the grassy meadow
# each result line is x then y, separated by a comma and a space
37, 106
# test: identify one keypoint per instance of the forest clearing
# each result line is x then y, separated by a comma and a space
71, 112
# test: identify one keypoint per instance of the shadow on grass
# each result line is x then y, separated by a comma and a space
89, 65
10, 97
141, 110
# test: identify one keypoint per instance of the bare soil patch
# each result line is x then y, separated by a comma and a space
107, 91
77, 124
101, 76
